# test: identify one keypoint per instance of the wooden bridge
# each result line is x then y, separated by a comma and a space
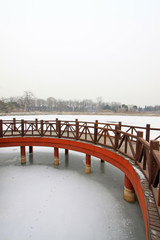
121, 145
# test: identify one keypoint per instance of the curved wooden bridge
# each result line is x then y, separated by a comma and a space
121, 145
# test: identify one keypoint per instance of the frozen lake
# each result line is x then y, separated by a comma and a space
39, 201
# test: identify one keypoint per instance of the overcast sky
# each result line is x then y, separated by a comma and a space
71, 49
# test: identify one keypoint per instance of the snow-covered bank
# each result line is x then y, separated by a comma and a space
39, 201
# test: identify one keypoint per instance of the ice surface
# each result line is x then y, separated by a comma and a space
40, 201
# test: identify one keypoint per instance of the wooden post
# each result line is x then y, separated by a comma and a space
147, 132
1, 128
120, 125
56, 156
30, 149
138, 145
57, 126
95, 131
41, 128
88, 164
116, 136
154, 145
14, 124
36, 123
23, 155
22, 127
159, 193
59, 129
129, 193
77, 129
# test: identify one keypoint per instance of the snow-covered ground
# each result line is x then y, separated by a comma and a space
39, 201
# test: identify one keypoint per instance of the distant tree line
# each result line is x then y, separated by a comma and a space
28, 102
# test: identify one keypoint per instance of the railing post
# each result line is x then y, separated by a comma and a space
147, 132
154, 145
22, 127
120, 125
57, 125
77, 129
95, 131
138, 145
36, 123
1, 128
41, 128
59, 129
14, 124
117, 135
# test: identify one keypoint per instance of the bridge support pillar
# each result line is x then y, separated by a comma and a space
23, 155
30, 149
56, 156
88, 164
129, 193
66, 151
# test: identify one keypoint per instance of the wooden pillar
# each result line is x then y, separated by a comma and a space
23, 155
66, 152
30, 149
88, 163
56, 156
129, 193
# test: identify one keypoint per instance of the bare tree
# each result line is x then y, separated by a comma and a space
29, 100
51, 103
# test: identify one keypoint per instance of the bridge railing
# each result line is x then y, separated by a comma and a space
129, 143
149, 132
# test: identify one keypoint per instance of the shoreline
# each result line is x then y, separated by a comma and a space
151, 114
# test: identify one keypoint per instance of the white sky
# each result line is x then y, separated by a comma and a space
81, 49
